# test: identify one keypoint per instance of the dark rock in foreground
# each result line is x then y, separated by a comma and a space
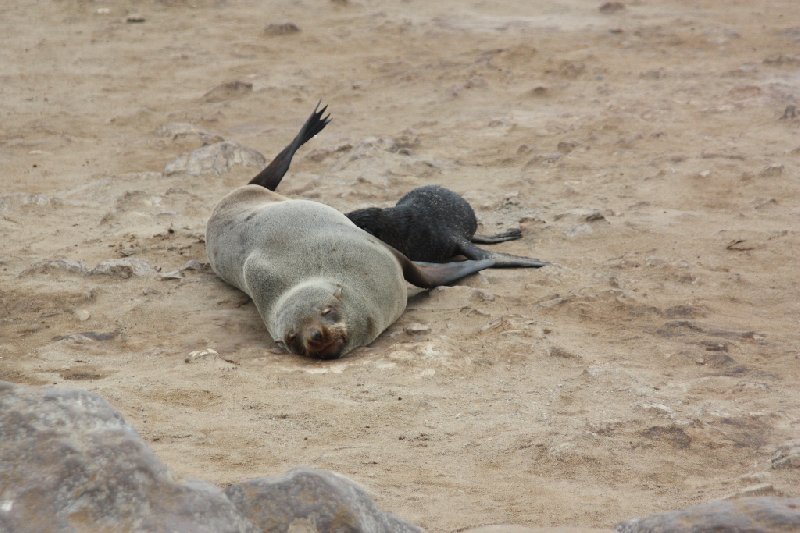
69, 462
740, 515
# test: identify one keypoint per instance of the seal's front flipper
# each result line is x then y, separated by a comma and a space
271, 176
430, 275
499, 260
510, 235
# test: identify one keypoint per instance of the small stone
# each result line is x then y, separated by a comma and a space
417, 329
705, 173
282, 28
759, 489
611, 7
228, 91
789, 113
175, 274
183, 130
481, 295
580, 229
217, 158
566, 147
198, 266
772, 171
123, 268
49, 266
103, 11
594, 216
787, 456
561, 353
135, 18
82, 315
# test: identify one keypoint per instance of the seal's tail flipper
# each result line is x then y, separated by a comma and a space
510, 235
271, 176
471, 251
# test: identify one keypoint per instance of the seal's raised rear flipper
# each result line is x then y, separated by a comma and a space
510, 235
499, 260
271, 176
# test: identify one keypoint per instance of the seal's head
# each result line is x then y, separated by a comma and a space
309, 319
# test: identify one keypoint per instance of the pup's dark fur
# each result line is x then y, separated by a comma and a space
435, 224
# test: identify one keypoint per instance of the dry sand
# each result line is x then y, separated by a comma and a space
654, 366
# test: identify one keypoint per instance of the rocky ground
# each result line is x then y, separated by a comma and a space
649, 151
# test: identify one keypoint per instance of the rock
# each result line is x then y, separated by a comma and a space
228, 91
281, 28
217, 158
49, 266
480, 295
69, 461
135, 18
557, 351
787, 456
566, 147
197, 355
198, 266
123, 268
611, 7
759, 489
789, 113
175, 274
181, 130
417, 329
772, 171
313, 500
580, 229
742, 514
82, 315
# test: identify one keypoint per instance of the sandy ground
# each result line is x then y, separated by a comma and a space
655, 365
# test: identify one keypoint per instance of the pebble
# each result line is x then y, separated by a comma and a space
180, 130
281, 28
175, 274
227, 91
787, 456
759, 489
197, 355
611, 7
580, 229
82, 315
417, 329
123, 268
56, 265
217, 158
772, 171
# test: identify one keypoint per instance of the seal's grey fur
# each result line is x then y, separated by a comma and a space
297, 258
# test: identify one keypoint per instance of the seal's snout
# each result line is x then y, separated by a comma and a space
324, 342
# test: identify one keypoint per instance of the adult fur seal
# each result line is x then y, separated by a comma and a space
432, 223
322, 285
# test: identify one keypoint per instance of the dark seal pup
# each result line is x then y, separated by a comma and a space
435, 224
322, 285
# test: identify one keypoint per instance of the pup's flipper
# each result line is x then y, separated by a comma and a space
271, 176
499, 260
510, 235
